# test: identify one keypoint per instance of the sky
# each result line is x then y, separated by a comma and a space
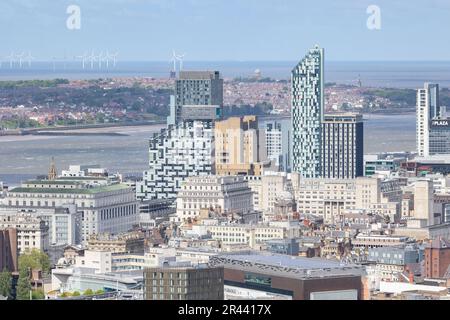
218, 30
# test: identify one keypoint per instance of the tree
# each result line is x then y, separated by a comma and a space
34, 260
23, 285
88, 292
76, 294
99, 292
5, 283
38, 294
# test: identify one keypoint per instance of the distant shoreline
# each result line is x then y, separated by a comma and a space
77, 129
97, 130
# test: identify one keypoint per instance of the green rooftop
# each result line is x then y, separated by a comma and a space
80, 178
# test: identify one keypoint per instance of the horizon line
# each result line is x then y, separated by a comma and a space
240, 61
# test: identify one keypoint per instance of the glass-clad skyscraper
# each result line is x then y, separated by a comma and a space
307, 103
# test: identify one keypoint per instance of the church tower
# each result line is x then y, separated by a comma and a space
52, 172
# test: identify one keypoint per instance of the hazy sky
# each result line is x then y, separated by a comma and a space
228, 29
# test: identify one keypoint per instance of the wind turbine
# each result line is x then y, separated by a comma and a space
65, 59
54, 63
107, 57
174, 59
21, 57
83, 59
113, 57
92, 58
29, 58
180, 59
11, 59
100, 58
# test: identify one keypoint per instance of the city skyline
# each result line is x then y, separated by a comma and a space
221, 181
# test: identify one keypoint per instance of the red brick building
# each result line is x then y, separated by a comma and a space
437, 258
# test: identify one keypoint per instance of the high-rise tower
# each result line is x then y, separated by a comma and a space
186, 147
307, 103
343, 146
195, 91
427, 110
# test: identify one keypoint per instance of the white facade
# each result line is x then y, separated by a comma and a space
226, 194
328, 198
274, 145
32, 232
101, 261
427, 109
249, 235
255, 184
110, 208
64, 223
331, 198
84, 171
272, 187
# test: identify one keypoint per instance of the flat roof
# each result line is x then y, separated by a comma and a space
286, 266
93, 190
286, 261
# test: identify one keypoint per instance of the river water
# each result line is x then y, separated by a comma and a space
23, 157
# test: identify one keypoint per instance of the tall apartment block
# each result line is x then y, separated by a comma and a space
196, 88
186, 147
428, 109
307, 81
240, 147
342, 146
